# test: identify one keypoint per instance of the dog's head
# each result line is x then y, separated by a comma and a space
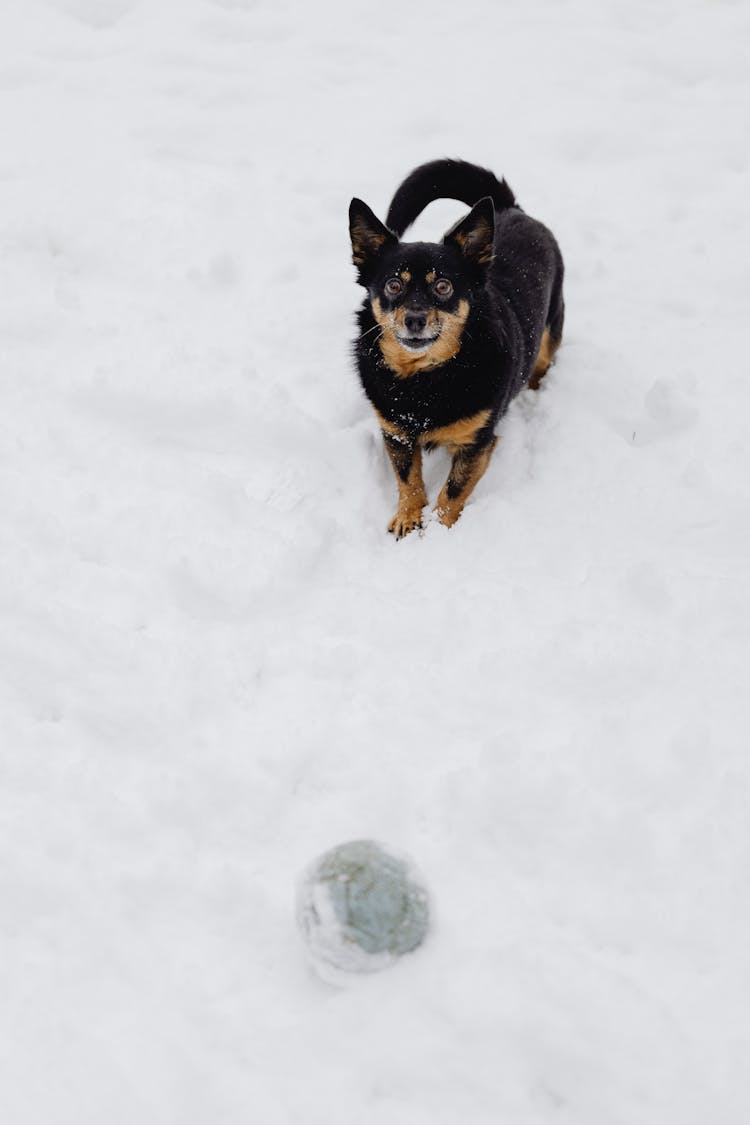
421, 292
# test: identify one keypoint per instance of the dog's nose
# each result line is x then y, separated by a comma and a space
415, 322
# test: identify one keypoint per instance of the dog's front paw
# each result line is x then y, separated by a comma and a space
448, 513
404, 521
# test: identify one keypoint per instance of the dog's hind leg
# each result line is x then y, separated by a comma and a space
552, 335
469, 466
549, 345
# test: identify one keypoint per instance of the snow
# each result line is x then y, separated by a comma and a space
215, 663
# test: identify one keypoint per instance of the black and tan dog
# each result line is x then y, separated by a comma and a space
451, 331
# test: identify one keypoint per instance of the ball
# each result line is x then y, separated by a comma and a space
361, 907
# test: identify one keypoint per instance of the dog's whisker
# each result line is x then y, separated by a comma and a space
375, 339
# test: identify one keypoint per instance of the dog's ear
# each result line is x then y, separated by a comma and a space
368, 234
475, 233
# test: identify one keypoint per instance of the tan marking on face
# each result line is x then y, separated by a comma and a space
543, 362
405, 276
462, 432
399, 359
451, 324
430, 277
377, 310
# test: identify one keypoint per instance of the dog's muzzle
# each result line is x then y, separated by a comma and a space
417, 336
416, 343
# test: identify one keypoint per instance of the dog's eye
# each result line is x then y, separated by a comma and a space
394, 286
443, 287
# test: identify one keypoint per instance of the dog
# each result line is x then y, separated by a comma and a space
450, 332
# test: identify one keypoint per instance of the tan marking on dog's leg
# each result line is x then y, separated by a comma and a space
469, 466
543, 362
390, 427
406, 458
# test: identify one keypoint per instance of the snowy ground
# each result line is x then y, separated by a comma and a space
214, 661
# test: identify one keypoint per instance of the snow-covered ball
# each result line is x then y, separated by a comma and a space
360, 907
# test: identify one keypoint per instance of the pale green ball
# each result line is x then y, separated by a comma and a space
360, 907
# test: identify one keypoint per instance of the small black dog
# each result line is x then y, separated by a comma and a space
451, 331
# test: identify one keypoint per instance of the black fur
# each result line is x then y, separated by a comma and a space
502, 264
445, 179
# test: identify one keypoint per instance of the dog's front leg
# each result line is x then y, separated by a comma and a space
406, 458
469, 465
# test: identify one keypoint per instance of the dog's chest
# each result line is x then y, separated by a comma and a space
429, 400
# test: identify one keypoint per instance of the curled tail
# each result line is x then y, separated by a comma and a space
445, 179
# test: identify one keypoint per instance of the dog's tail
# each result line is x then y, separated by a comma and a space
445, 179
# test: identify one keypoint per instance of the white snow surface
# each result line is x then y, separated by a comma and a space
214, 661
